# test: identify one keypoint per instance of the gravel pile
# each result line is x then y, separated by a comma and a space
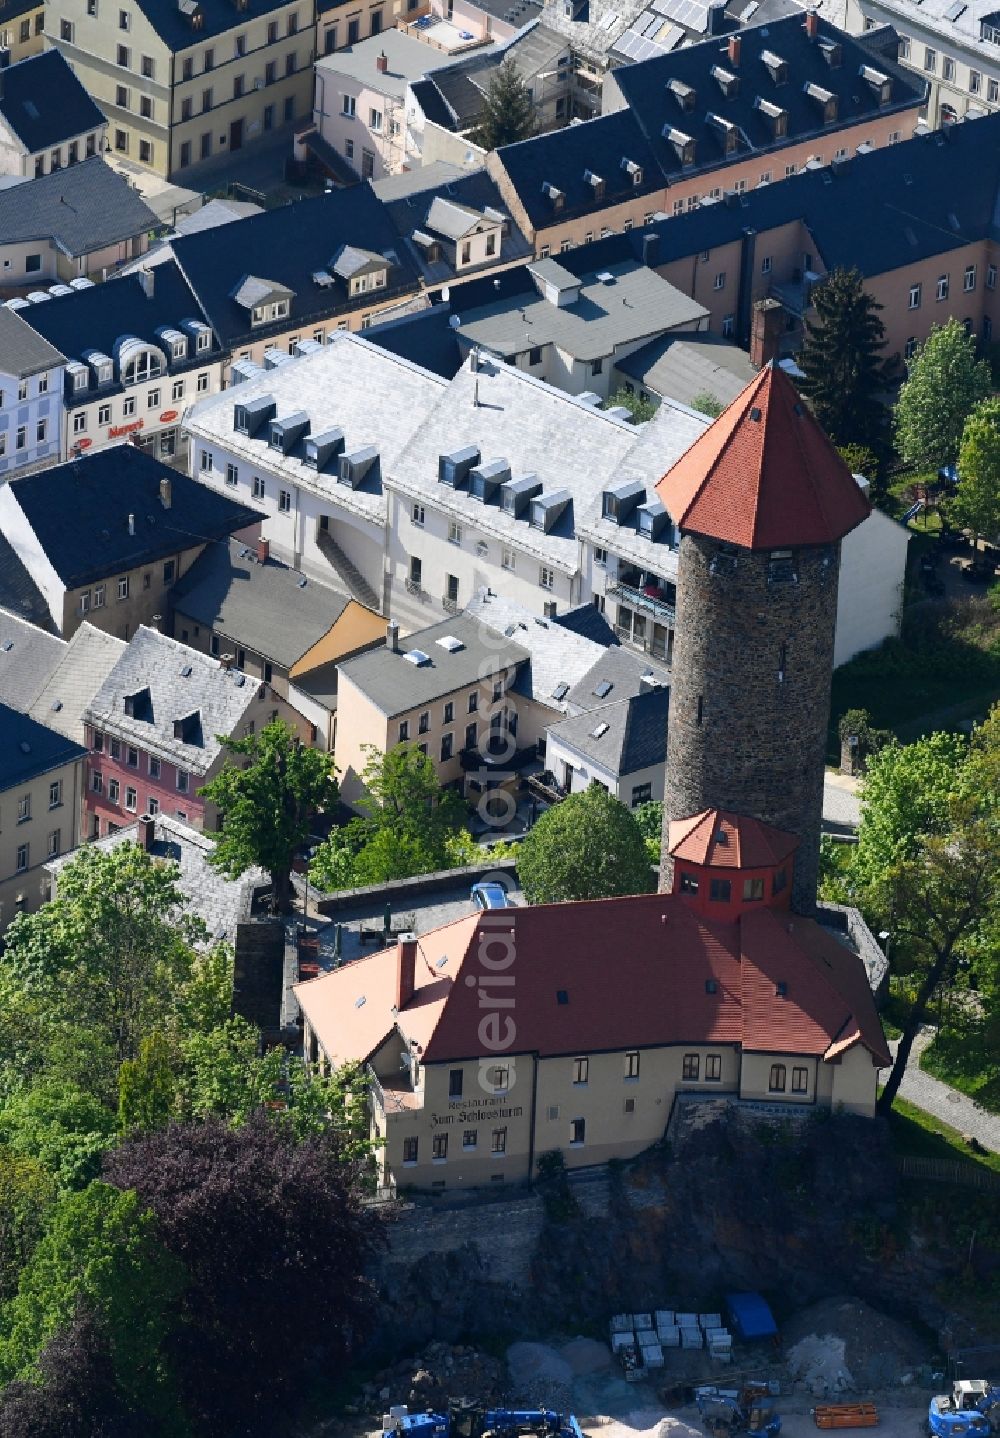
842, 1345
430, 1379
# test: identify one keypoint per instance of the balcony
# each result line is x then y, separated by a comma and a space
449, 605
393, 1095
649, 599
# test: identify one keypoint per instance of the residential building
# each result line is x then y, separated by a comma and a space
743, 1007
41, 779
210, 216
425, 338
85, 221
138, 354
31, 395
28, 655
345, 22
48, 120
684, 367
572, 329
311, 443
85, 661
22, 31
238, 602
499, 20
298, 272
185, 84
155, 730
682, 128
104, 538
953, 49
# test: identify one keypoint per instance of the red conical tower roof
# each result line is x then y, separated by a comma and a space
764, 475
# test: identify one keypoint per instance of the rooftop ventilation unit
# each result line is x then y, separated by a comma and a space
602, 690
323, 278
588, 397
38, 297
486, 479
517, 494
322, 448
81, 283
286, 433
57, 291
449, 642
600, 731
361, 464
417, 657
548, 509
559, 692
275, 358
250, 417
306, 347
454, 468
618, 411
619, 500
652, 519
605, 278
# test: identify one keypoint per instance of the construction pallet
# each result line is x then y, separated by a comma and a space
846, 1415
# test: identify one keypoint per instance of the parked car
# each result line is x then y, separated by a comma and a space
490, 896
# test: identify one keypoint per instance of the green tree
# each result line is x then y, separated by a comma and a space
841, 360
640, 409
147, 1089
976, 504
27, 1190
266, 805
63, 1127
649, 817
587, 847
944, 384
508, 110
225, 1075
707, 403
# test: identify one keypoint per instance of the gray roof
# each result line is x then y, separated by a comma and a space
622, 738
559, 658
450, 219
684, 366
353, 260
634, 304
394, 684
409, 59
413, 182
620, 668
27, 657
269, 608
959, 25
23, 352
81, 209
83, 666
213, 214
28, 748
253, 291
180, 681
218, 901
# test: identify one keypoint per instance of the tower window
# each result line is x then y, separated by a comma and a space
689, 883
782, 663
781, 567
701, 708
779, 881
721, 890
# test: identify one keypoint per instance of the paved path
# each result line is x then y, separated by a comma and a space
944, 1102
841, 805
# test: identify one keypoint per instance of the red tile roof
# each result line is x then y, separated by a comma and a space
764, 475
634, 974
725, 840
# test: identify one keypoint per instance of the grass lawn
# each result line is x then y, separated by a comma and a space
920, 1135
964, 1060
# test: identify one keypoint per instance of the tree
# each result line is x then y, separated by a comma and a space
587, 847
266, 805
707, 403
147, 1089
944, 384
640, 409
274, 1238
27, 1190
976, 504
61, 1126
508, 110
840, 360
649, 817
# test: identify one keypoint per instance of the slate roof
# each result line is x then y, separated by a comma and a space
81, 209
621, 668
559, 658
434, 205
426, 338
28, 655
28, 748
452, 97
268, 607
720, 839
180, 681
623, 737
83, 666
765, 475
44, 104
659, 995
23, 351
287, 246
411, 182
685, 366
588, 621
79, 512
19, 594
217, 16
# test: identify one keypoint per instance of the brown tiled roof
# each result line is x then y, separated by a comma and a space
724, 840
764, 475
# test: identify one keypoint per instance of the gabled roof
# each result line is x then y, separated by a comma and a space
764, 475
81, 209
216, 17
623, 737
44, 104
717, 838
450, 204
23, 352
28, 748
683, 366
28, 655
252, 291
79, 513
84, 664
426, 338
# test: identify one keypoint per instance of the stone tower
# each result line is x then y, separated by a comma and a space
762, 501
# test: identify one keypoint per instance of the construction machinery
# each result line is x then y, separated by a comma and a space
470, 1420
972, 1406
749, 1409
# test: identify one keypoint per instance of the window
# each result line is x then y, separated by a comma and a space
942, 287
152, 805
641, 794
201, 384
455, 1079
713, 1068
285, 501
975, 82
690, 1068
153, 399
471, 736
577, 1132
115, 748
506, 558
947, 68
499, 1141
915, 292
128, 406
259, 488
114, 790
131, 798
719, 283
182, 781
597, 367
122, 56
451, 588
154, 767
54, 843
41, 429
410, 1150
454, 533
97, 783
131, 756
449, 713
21, 439
348, 106
728, 326
930, 60
123, 587
721, 890
753, 889
991, 277
79, 422
232, 474
447, 747
469, 1138
969, 279
237, 86
632, 1064
416, 571
22, 858
209, 60
24, 808
169, 570
689, 883
55, 794
910, 348
66, 31
439, 1147
546, 577
424, 722
375, 121
765, 265
417, 515
776, 1079
800, 1080
206, 100
581, 1070
993, 91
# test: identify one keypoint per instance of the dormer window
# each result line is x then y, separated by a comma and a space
633, 170
204, 340
79, 380
825, 99
777, 67
178, 350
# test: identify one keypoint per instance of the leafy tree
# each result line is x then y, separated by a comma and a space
587, 847
508, 110
976, 504
944, 384
225, 1075
649, 817
640, 409
27, 1189
62, 1127
268, 1230
707, 403
266, 805
841, 360
147, 1088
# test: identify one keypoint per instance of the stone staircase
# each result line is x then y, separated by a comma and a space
350, 577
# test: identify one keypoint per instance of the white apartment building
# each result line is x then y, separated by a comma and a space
31, 382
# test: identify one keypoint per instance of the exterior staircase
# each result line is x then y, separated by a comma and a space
350, 577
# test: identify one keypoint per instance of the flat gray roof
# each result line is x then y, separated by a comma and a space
409, 59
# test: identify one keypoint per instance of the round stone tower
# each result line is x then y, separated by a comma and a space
762, 501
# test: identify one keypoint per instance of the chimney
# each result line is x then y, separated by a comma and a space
382, 63
812, 24
392, 637
147, 832
131, 524
148, 281
226, 662
650, 248
765, 332
406, 970
166, 497
734, 51
263, 550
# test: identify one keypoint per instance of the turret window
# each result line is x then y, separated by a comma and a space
689, 883
721, 891
753, 889
781, 567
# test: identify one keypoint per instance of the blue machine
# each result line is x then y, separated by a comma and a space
972, 1406
749, 1410
469, 1421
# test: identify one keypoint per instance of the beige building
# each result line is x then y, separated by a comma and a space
189, 82
41, 788
22, 30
